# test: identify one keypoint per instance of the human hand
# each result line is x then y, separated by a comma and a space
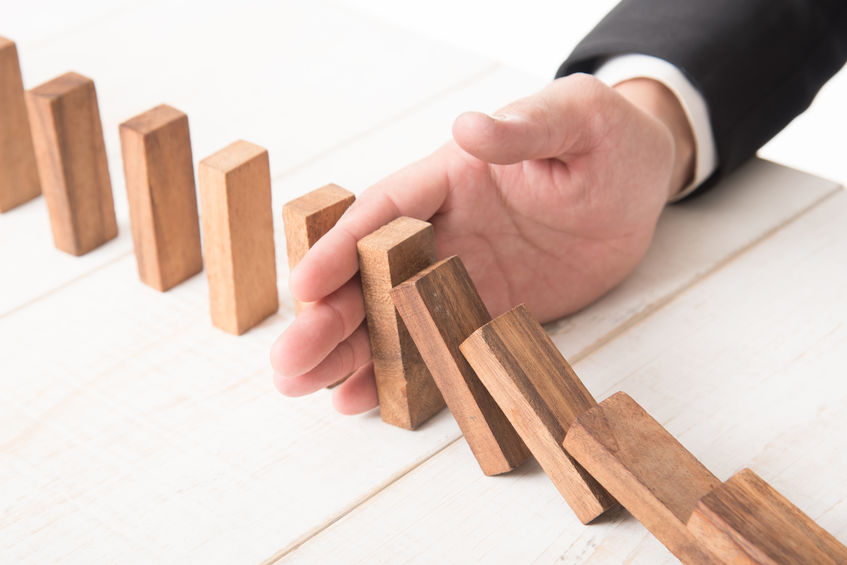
552, 203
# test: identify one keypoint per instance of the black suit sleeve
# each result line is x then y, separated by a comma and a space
758, 63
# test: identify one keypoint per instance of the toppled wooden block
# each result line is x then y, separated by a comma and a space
72, 164
18, 171
408, 396
307, 218
442, 308
540, 393
745, 520
642, 465
159, 172
238, 236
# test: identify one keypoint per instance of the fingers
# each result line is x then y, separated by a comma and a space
358, 393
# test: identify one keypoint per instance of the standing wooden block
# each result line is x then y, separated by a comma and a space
18, 171
72, 162
159, 171
238, 236
540, 393
441, 308
645, 468
308, 218
407, 394
746, 521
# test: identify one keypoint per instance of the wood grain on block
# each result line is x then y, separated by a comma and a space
159, 171
18, 170
642, 465
408, 396
72, 164
442, 308
541, 395
238, 243
745, 520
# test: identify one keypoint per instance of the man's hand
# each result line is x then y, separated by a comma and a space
551, 202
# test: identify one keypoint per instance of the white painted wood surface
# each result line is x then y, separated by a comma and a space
133, 431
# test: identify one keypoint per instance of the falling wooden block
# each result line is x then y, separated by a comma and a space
642, 465
159, 171
18, 170
308, 218
745, 520
540, 393
238, 236
441, 308
72, 162
407, 393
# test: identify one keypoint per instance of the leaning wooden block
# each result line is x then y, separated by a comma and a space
540, 393
72, 162
159, 171
407, 394
307, 218
650, 473
18, 171
745, 520
441, 308
238, 242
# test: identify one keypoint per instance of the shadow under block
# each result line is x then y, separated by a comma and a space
159, 172
18, 170
642, 465
408, 396
72, 164
307, 218
238, 238
745, 520
442, 308
541, 395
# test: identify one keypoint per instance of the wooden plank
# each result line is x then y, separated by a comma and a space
307, 218
235, 195
72, 164
642, 465
541, 395
745, 520
18, 171
441, 308
159, 172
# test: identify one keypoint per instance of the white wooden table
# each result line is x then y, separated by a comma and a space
133, 431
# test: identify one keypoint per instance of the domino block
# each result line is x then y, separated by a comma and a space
442, 308
646, 469
18, 170
238, 243
407, 393
745, 520
308, 218
72, 164
540, 393
159, 172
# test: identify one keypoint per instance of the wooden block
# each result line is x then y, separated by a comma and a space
407, 394
745, 520
308, 218
541, 395
238, 236
441, 308
72, 162
18, 171
650, 473
159, 171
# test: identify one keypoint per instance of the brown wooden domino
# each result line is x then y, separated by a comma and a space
408, 396
72, 164
235, 198
159, 172
540, 393
18, 171
441, 308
